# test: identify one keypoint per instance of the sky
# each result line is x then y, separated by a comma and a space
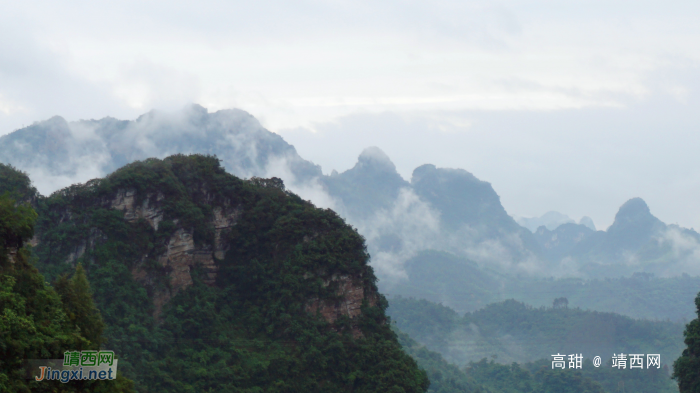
573, 106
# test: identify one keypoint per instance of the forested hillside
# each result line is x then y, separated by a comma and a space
514, 332
36, 320
537, 376
207, 282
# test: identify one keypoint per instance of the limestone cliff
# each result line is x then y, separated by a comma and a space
194, 269
350, 297
174, 257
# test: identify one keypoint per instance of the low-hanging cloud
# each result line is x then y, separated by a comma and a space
308, 189
684, 256
74, 152
410, 224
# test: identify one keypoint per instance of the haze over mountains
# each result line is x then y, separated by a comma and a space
551, 220
443, 209
441, 236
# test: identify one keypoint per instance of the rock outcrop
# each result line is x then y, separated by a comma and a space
349, 304
181, 254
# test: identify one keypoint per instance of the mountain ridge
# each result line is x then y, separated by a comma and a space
439, 208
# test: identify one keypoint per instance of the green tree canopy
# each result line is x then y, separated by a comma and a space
16, 224
33, 320
80, 308
686, 369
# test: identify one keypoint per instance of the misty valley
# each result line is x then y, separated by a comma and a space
210, 256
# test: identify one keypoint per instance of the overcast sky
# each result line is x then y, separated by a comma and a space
574, 106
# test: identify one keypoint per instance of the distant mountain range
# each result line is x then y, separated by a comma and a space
58, 153
551, 220
443, 209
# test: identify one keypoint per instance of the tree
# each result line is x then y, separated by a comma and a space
686, 369
33, 321
16, 224
560, 302
80, 308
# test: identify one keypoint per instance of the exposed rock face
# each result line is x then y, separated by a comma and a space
351, 297
79, 250
12, 255
149, 211
181, 254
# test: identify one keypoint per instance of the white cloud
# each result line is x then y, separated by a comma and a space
414, 223
685, 253
308, 189
574, 106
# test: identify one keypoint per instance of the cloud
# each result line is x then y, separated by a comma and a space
145, 85
396, 234
554, 113
684, 256
308, 189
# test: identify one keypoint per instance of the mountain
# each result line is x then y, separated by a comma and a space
560, 242
443, 209
371, 185
440, 209
207, 282
58, 153
588, 222
551, 220
633, 229
472, 208
637, 241
454, 349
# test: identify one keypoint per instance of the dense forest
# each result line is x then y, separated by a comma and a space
38, 321
253, 328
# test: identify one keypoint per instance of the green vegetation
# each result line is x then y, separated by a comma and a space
444, 377
464, 286
538, 376
16, 183
252, 331
514, 332
686, 369
33, 320
80, 308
